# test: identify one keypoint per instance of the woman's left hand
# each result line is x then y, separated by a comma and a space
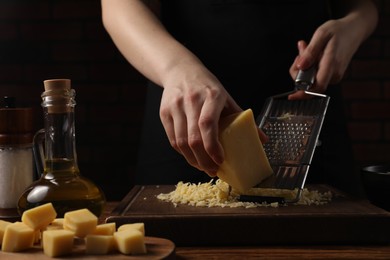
332, 47
331, 50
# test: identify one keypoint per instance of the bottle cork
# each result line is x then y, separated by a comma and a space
61, 96
56, 84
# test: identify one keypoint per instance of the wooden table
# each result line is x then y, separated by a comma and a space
277, 252
366, 252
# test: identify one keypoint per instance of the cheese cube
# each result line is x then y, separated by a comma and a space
105, 229
246, 163
3, 225
130, 241
58, 223
37, 236
40, 216
99, 244
17, 237
82, 222
137, 226
57, 242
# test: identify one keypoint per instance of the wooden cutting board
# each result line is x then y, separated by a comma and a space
157, 248
344, 220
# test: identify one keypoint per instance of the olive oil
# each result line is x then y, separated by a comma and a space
62, 185
60, 182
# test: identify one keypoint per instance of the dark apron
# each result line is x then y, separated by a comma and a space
249, 45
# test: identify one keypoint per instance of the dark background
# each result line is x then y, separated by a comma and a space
65, 39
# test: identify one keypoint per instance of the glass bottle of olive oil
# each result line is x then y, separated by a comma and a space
60, 181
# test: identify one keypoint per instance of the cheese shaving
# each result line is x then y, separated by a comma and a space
216, 194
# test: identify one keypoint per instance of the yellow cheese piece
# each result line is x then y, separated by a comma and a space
37, 236
245, 163
58, 223
105, 229
137, 226
82, 222
3, 225
57, 242
130, 241
17, 237
99, 244
40, 216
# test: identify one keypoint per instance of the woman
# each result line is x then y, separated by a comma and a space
209, 58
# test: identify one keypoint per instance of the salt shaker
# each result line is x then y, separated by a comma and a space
16, 156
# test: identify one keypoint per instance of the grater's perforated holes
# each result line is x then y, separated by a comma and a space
287, 140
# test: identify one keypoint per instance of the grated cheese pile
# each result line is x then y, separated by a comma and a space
216, 194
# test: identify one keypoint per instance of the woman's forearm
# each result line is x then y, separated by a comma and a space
363, 16
143, 40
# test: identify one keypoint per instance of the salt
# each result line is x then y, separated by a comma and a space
16, 173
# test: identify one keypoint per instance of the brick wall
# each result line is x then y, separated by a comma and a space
366, 89
65, 39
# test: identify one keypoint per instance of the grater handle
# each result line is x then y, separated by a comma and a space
305, 78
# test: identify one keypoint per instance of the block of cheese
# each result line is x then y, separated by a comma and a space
105, 229
57, 242
37, 236
99, 244
17, 237
137, 226
130, 241
82, 222
40, 216
246, 163
58, 223
3, 225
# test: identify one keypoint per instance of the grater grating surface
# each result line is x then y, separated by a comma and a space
287, 140
293, 128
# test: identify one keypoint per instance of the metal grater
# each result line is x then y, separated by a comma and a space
293, 127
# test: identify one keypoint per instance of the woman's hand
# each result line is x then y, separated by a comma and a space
330, 49
192, 103
333, 45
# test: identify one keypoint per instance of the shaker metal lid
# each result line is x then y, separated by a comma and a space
16, 123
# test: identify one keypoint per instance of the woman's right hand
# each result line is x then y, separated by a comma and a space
192, 103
